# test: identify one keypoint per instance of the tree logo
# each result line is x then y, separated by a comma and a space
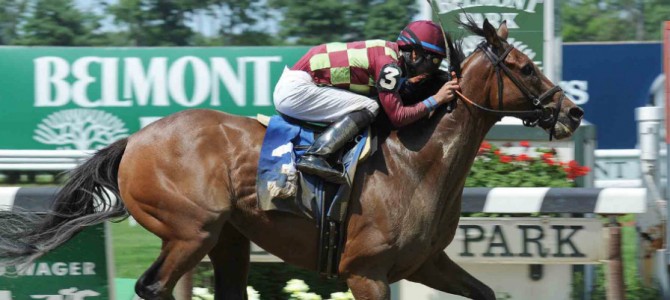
80, 129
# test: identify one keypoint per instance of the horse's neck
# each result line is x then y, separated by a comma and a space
462, 132
460, 135
448, 144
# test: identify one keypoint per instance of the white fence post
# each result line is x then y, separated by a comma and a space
652, 223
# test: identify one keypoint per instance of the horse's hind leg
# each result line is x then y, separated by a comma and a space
187, 237
441, 273
230, 258
176, 258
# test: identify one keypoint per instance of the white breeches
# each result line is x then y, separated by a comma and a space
297, 96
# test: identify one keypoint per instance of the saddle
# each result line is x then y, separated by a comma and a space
280, 187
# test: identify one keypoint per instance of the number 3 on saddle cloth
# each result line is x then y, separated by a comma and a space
281, 187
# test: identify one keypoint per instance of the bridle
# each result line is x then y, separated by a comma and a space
544, 116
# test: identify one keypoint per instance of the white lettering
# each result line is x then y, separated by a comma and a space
5, 295
89, 268
201, 81
55, 269
75, 268
43, 270
84, 79
26, 270
446, 6
110, 83
58, 83
145, 121
494, 18
531, 6
262, 78
59, 269
139, 84
50, 72
235, 84
577, 90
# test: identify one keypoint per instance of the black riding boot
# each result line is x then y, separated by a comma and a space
336, 135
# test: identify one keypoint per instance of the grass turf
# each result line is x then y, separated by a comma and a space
134, 249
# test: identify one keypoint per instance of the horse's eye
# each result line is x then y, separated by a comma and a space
527, 70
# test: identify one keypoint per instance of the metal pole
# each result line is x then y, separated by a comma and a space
584, 147
615, 283
652, 223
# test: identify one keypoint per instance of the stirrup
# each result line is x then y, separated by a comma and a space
315, 165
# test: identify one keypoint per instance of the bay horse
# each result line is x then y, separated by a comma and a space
189, 178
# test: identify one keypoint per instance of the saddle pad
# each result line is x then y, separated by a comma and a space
280, 187
277, 179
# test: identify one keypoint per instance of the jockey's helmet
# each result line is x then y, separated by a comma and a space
426, 40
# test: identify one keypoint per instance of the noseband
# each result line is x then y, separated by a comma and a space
540, 114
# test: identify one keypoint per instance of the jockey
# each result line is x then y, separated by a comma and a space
333, 82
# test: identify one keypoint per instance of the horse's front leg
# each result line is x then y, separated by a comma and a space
441, 273
369, 287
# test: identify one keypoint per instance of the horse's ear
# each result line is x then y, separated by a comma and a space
491, 35
503, 32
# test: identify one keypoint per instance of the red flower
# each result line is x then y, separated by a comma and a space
547, 158
523, 157
574, 170
497, 152
505, 159
524, 144
483, 148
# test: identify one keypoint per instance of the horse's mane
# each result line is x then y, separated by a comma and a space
470, 25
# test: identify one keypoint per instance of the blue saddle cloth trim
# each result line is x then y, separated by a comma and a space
281, 137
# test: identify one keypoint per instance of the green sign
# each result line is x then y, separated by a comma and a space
525, 21
76, 271
86, 98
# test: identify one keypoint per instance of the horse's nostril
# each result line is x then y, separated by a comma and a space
576, 113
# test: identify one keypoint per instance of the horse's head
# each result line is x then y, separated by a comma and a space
505, 82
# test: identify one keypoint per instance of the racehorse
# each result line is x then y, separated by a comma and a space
189, 178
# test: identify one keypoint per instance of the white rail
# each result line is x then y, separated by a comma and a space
42, 160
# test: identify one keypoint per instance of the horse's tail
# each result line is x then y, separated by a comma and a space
90, 196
